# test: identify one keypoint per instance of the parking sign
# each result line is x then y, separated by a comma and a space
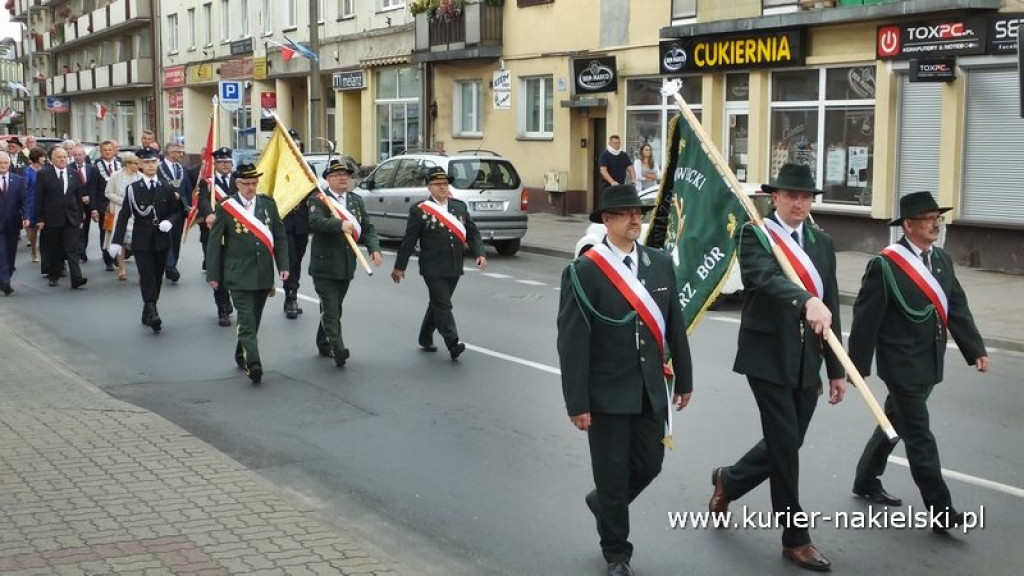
230, 95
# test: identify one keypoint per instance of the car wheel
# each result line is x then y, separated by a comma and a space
507, 247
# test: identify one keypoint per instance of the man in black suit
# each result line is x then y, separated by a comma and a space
780, 351
17, 205
894, 315
171, 172
59, 217
223, 186
154, 209
443, 228
93, 197
612, 356
106, 165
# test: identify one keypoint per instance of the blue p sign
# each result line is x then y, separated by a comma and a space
231, 91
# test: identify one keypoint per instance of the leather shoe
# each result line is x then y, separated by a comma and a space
324, 351
256, 375
428, 346
456, 350
619, 569
109, 267
52, 283
807, 556
291, 309
878, 496
84, 258
719, 500
76, 284
954, 520
340, 356
6, 288
224, 319
173, 275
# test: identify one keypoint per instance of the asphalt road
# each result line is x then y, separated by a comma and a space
473, 468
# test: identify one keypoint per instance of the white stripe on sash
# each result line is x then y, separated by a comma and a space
251, 223
921, 276
447, 219
798, 257
632, 290
343, 213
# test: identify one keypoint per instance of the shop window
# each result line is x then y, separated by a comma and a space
537, 111
467, 108
737, 87
833, 135
648, 113
398, 111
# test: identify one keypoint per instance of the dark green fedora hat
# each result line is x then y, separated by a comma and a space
618, 196
917, 203
795, 177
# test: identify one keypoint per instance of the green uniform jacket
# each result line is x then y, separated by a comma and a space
608, 368
441, 252
236, 259
775, 342
330, 254
910, 350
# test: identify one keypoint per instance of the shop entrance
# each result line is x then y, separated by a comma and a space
736, 137
599, 141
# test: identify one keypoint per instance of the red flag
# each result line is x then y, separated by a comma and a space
287, 54
205, 174
101, 110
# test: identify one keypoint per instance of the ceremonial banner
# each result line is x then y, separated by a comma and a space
205, 174
286, 176
696, 219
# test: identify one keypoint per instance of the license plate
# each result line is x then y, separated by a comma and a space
489, 206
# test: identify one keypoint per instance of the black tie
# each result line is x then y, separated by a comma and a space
3, 186
927, 261
223, 183
628, 262
796, 237
152, 185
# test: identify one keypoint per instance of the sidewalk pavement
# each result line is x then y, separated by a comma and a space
994, 297
93, 485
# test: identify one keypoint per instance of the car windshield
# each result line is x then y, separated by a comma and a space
483, 173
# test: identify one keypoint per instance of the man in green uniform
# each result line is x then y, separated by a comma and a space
246, 240
333, 213
612, 353
443, 228
894, 315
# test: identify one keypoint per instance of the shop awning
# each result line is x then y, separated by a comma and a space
384, 61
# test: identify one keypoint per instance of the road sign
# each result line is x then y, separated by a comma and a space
231, 94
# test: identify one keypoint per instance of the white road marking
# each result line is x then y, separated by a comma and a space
997, 486
496, 275
531, 282
521, 361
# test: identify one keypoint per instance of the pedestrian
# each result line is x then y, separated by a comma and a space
93, 200
153, 208
646, 168
333, 213
59, 212
106, 166
246, 240
615, 165
173, 173
114, 192
223, 187
36, 157
618, 319
296, 226
442, 226
780, 351
17, 207
18, 160
148, 140
909, 300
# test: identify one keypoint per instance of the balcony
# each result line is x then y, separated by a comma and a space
130, 74
475, 34
106, 21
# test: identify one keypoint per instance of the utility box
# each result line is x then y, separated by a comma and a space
556, 181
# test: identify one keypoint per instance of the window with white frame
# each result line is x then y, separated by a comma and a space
225, 20
684, 9
243, 18
172, 33
386, 4
267, 16
825, 118
208, 24
468, 108
347, 8
398, 111
322, 14
648, 113
536, 110
191, 28
289, 14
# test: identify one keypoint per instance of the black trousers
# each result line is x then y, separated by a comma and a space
296, 252
221, 295
908, 412
8, 252
439, 315
86, 226
60, 244
626, 454
150, 264
785, 416
177, 229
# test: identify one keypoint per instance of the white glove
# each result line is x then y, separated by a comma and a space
114, 250
165, 226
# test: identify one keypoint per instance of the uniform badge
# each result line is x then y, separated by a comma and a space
646, 259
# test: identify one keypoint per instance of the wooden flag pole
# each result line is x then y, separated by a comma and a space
672, 87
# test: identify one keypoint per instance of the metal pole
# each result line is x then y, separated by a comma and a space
30, 113
316, 115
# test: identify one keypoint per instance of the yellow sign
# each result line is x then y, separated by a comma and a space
200, 73
740, 52
772, 49
259, 68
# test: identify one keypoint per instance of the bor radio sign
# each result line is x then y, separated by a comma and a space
776, 49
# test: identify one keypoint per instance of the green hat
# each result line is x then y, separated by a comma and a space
438, 173
915, 203
336, 165
618, 196
247, 171
796, 177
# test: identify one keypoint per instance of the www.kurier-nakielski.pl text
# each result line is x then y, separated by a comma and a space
873, 518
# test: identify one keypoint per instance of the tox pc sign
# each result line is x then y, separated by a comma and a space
230, 94
955, 37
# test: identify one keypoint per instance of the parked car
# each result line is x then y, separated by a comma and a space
649, 197
487, 182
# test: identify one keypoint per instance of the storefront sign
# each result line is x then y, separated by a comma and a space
775, 49
175, 99
348, 80
174, 77
501, 88
933, 70
955, 37
1003, 32
236, 69
58, 105
239, 47
268, 100
259, 68
200, 73
594, 75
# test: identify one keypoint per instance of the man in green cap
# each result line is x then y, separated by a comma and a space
246, 240
619, 322
333, 213
443, 228
780, 351
909, 301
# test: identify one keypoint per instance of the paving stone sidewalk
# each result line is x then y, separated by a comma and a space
92, 485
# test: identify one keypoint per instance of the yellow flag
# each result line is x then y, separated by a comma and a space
286, 176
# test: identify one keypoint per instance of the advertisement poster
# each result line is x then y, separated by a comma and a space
835, 166
858, 174
502, 90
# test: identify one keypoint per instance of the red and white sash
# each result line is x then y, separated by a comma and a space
448, 220
339, 210
809, 275
913, 267
251, 223
632, 290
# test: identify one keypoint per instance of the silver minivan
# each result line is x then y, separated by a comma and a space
485, 181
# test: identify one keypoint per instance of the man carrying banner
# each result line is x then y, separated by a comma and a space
618, 319
443, 228
909, 299
246, 240
223, 187
780, 351
333, 213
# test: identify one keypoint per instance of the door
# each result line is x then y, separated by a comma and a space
598, 143
736, 137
